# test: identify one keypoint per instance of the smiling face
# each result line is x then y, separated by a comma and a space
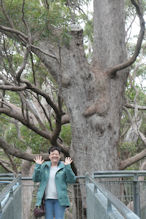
54, 157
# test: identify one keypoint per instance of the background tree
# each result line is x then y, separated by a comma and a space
51, 82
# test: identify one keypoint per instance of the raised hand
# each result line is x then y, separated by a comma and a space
68, 160
38, 160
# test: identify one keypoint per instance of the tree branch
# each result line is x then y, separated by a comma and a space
24, 39
34, 89
128, 113
132, 106
14, 168
128, 162
16, 115
10, 149
29, 107
128, 63
22, 67
143, 138
43, 94
57, 130
17, 153
6, 15
17, 32
6, 167
45, 112
12, 88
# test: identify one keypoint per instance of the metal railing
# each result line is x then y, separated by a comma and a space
103, 204
128, 186
10, 198
125, 185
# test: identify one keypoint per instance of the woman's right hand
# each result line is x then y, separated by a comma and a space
38, 160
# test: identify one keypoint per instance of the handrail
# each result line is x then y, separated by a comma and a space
30, 178
6, 175
9, 188
125, 211
121, 172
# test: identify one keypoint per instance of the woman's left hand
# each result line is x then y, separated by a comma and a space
68, 160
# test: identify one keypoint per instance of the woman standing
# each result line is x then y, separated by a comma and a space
53, 176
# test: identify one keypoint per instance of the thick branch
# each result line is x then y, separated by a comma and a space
65, 119
26, 156
14, 31
128, 162
13, 88
57, 130
34, 89
43, 52
128, 63
16, 115
17, 153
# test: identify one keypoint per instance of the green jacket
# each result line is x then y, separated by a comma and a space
63, 176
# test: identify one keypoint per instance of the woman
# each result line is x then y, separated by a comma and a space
53, 176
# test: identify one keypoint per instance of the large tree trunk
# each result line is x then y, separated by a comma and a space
94, 100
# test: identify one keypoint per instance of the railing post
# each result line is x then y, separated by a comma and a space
0, 210
95, 189
11, 193
136, 191
86, 182
109, 208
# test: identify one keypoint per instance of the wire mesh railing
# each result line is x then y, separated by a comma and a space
103, 204
128, 186
10, 198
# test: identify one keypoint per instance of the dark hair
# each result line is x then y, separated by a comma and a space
54, 148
